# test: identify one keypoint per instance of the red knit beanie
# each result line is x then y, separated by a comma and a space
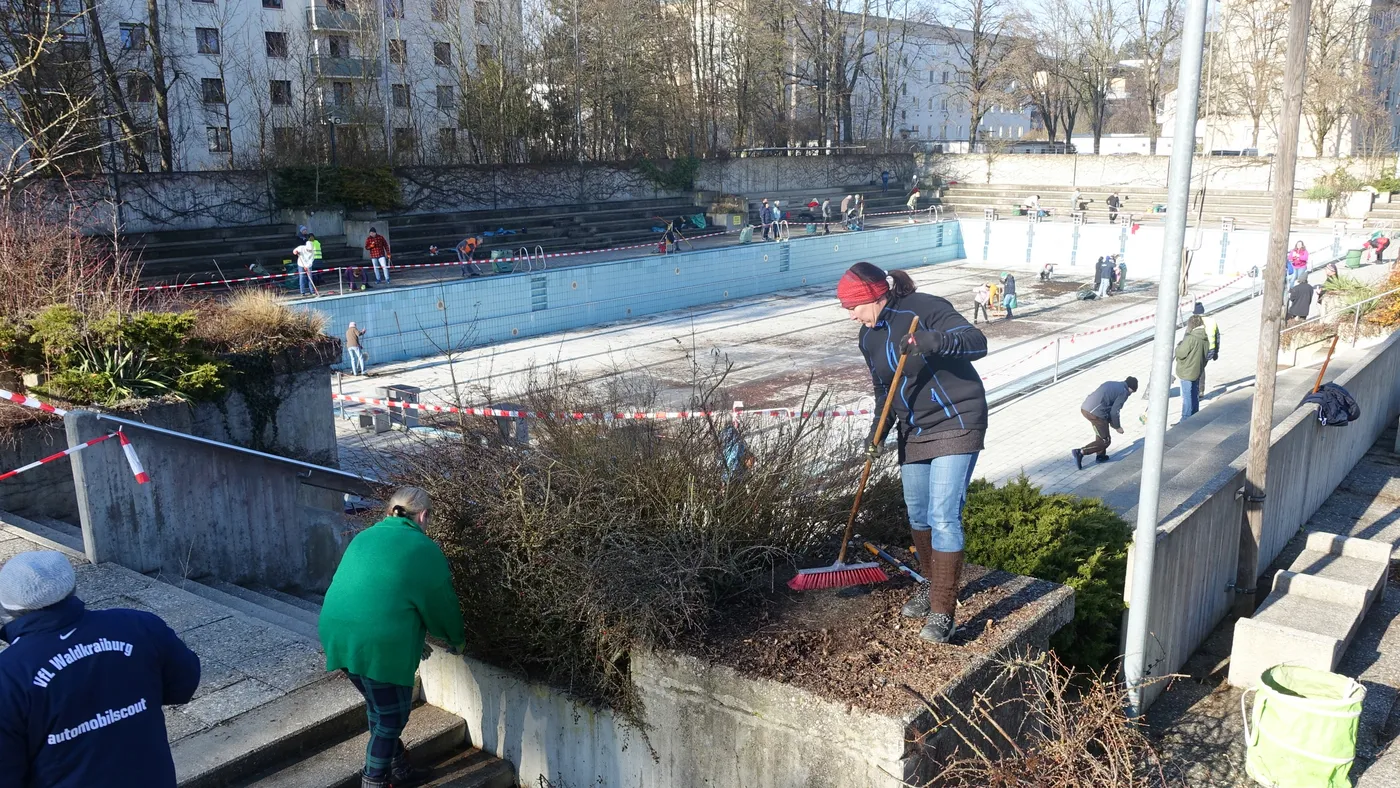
854, 289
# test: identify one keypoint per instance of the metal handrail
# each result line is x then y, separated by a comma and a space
1356, 307
339, 481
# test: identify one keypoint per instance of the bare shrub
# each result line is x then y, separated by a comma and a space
1069, 731
48, 261
604, 538
257, 320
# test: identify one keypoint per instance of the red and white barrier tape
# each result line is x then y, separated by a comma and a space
782, 413
52, 457
30, 402
132, 460
266, 277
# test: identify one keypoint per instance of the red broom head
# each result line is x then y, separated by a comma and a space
837, 576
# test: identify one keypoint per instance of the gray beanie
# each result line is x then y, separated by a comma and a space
35, 580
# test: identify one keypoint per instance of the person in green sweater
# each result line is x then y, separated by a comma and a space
393, 588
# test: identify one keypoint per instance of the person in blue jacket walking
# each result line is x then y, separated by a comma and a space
81, 690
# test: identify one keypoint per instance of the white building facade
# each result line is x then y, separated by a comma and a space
259, 82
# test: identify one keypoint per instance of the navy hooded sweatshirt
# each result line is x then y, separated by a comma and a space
81, 694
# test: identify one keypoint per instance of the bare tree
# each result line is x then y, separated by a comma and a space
976, 31
1250, 54
1337, 78
1158, 30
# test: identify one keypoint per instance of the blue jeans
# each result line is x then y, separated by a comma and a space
304, 283
357, 360
934, 493
1190, 398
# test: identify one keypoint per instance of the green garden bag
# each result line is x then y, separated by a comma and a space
1302, 732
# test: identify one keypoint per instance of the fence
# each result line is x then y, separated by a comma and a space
1197, 551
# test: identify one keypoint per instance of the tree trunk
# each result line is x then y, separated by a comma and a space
164, 140
114, 88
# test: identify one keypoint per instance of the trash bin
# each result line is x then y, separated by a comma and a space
1302, 731
1354, 258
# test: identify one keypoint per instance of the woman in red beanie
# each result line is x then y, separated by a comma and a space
940, 417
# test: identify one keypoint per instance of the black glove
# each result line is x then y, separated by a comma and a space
923, 342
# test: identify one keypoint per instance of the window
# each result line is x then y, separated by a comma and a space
441, 10
943, 131
930, 75
446, 97
442, 53
280, 91
342, 93
212, 90
482, 10
218, 139
393, 9
398, 51
903, 115
400, 95
207, 40
338, 46
904, 89
945, 77
483, 53
133, 37
404, 140
275, 43
945, 105
284, 138
211, 2
140, 88
447, 140
335, 5
272, 3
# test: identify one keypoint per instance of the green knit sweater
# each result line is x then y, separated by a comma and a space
392, 586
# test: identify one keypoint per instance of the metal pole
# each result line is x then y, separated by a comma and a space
1356, 325
1261, 419
1057, 359
1188, 91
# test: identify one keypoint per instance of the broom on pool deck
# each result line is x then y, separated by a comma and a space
842, 574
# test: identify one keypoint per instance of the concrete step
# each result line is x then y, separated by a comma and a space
250, 603
298, 723
1366, 566
432, 734
473, 769
50, 533
291, 599
1314, 609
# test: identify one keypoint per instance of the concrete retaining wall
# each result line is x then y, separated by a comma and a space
414, 322
1021, 245
708, 725
1197, 551
46, 491
207, 510
1234, 173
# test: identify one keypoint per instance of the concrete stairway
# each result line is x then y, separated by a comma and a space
1314, 609
1246, 208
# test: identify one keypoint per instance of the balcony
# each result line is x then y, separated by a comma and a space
330, 19
327, 67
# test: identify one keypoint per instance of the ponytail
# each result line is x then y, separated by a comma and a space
902, 283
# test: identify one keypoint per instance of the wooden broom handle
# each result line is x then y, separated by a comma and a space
1325, 362
875, 442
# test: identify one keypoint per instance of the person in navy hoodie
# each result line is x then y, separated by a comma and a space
81, 690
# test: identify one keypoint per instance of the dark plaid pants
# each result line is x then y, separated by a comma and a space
388, 706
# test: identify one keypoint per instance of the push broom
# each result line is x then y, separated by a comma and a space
842, 574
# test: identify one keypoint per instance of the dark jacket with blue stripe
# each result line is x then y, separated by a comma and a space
940, 391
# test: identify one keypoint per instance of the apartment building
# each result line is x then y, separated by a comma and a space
253, 83
916, 80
